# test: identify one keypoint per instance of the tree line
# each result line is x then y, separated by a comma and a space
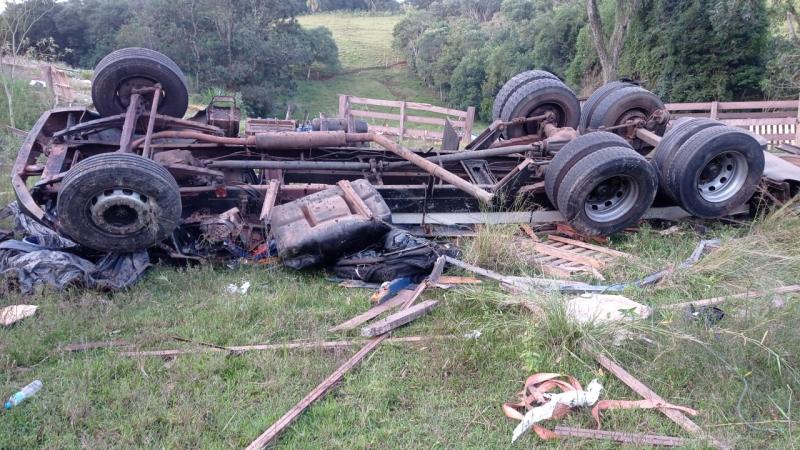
253, 47
684, 50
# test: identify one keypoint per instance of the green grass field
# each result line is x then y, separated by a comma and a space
364, 42
741, 373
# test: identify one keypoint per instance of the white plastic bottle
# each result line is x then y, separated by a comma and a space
26, 392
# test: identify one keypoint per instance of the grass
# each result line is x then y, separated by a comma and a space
445, 393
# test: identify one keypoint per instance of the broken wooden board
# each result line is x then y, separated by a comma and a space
14, 313
375, 311
399, 319
563, 257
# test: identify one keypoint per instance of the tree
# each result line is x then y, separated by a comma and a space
15, 24
609, 53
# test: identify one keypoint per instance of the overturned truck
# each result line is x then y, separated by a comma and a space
135, 174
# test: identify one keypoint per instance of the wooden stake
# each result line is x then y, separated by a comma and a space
582, 244
354, 200
399, 319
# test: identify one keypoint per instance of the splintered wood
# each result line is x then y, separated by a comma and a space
563, 257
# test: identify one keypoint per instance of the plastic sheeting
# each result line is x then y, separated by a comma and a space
399, 255
45, 258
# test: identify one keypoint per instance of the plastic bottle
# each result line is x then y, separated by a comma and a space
26, 392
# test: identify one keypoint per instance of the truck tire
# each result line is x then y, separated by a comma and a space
512, 85
681, 130
130, 68
715, 171
118, 202
536, 98
599, 94
573, 152
607, 191
622, 104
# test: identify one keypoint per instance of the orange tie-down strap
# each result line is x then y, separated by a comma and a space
539, 384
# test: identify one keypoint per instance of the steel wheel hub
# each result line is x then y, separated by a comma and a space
611, 199
722, 177
120, 211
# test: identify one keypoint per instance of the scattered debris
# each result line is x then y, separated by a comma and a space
398, 255
43, 257
474, 334
15, 313
676, 414
389, 289
25, 393
240, 289
564, 257
452, 279
670, 231
601, 308
399, 319
277, 428
709, 315
551, 406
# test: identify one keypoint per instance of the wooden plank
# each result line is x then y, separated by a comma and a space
754, 122
354, 200
294, 345
269, 200
453, 279
375, 311
569, 256
468, 123
618, 436
399, 118
714, 109
402, 120
375, 115
744, 295
399, 319
343, 106
641, 389
582, 244
373, 102
436, 109
529, 231
277, 428
83, 346
769, 104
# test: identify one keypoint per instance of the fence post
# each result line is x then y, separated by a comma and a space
468, 121
47, 71
402, 119
714, 107
343, 106
797, 124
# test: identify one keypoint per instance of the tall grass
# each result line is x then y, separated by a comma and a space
28, 104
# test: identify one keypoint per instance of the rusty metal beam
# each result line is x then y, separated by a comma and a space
129, 126
151, 122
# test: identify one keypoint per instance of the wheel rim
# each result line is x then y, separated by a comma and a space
722, 177
120, 211
611, 198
